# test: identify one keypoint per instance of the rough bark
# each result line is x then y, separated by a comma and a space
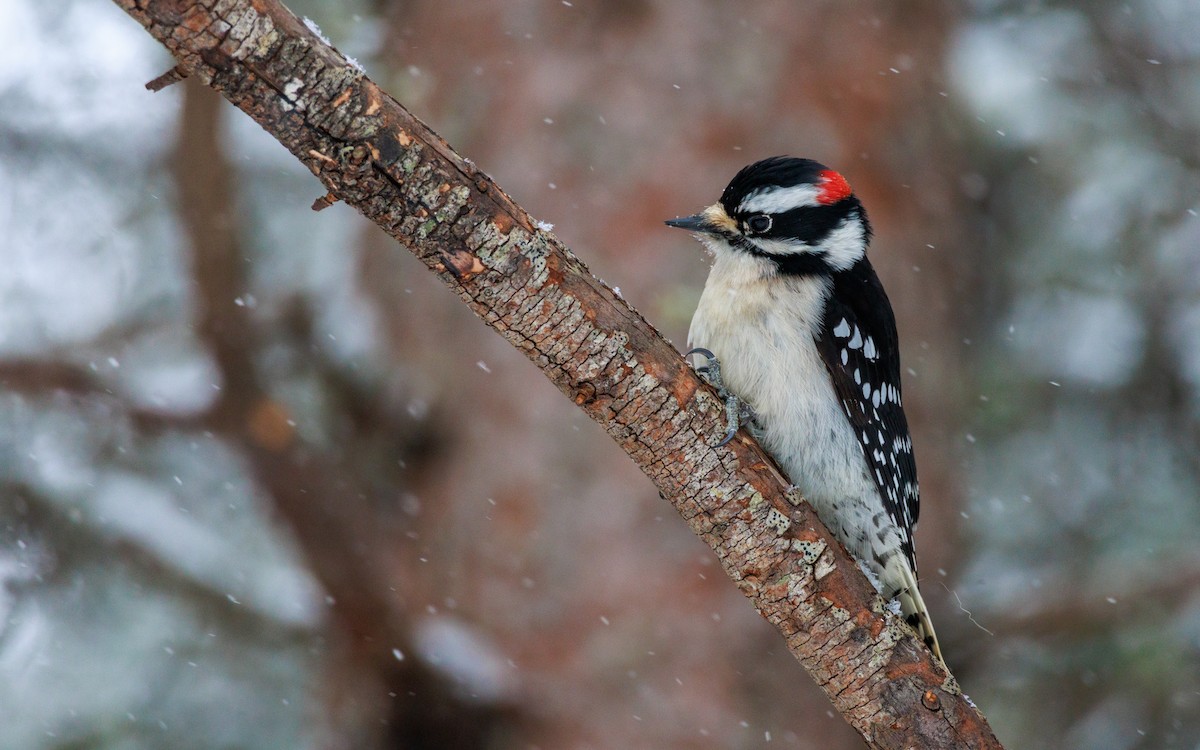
371, 153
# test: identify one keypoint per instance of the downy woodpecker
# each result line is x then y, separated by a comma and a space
805, 336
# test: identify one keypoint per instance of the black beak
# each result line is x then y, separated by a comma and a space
696, 223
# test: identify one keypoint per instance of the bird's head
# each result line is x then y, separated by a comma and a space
797, 213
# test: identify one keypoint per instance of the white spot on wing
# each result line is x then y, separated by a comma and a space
856, 341
842, 330
869, 348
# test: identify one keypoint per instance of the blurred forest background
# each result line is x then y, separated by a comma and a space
265, 483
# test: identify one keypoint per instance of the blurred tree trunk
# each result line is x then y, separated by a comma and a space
323, 497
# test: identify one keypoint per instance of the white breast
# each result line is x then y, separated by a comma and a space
761, 326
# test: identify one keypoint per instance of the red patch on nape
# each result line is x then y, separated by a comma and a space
833, 188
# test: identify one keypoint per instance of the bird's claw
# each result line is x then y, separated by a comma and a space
733, 409
711, 372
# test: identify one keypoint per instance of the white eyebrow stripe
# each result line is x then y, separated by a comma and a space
775, 200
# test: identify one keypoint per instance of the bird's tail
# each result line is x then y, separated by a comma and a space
912, 606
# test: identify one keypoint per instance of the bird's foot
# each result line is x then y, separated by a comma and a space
735, 408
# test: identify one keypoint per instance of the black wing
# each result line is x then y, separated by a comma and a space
859, 346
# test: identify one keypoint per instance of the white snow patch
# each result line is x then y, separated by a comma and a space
465, 655
1092, 338
1009, 70
314, 28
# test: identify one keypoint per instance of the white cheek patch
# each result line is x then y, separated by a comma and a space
776, 200
846, 244
783, 247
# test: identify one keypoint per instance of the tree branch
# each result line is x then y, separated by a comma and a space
373, 154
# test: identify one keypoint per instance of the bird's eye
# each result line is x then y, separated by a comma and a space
759, 223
